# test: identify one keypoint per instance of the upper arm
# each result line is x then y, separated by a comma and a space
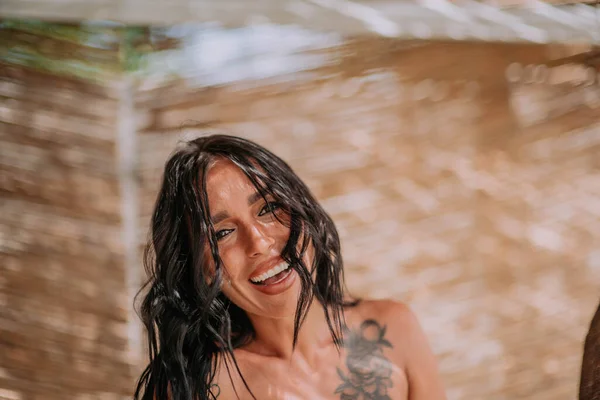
424, 381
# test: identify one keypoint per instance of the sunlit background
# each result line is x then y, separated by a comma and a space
456, 146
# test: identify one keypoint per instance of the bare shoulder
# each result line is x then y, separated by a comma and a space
392, 320
384, 306
407, 343
395, 314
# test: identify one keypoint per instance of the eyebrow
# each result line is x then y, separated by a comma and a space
220, 216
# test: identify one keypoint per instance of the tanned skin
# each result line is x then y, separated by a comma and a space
385, 354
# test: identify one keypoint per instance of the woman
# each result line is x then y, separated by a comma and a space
246, 296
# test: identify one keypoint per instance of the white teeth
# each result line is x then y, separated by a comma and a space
272, 272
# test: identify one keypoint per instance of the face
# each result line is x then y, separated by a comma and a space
250, 241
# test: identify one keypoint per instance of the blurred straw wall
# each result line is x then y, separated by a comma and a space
450, 192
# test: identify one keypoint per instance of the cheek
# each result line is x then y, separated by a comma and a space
309, 256
207, 254
210, 266
277, 230
281, 232
209, 270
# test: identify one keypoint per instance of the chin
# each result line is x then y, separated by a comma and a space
283, 305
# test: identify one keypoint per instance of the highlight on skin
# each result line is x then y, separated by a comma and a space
190, 324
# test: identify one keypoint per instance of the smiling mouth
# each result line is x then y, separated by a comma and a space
273, 276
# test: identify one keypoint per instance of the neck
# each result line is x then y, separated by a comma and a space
274, 337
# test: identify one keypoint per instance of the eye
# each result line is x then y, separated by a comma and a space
270, 207
223, 233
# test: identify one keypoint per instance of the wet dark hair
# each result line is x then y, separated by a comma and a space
191, 325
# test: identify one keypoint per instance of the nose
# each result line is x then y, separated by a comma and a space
259, 241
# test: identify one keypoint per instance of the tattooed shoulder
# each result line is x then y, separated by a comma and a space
368, 371
215, 391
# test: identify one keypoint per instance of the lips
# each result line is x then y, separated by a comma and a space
273, 277
267, 276
277, 284
266, 269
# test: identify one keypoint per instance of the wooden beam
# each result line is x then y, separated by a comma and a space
468, 20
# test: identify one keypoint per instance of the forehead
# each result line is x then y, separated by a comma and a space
225, 182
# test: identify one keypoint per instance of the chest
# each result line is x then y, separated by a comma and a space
347, 375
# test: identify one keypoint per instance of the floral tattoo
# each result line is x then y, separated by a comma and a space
369, 372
